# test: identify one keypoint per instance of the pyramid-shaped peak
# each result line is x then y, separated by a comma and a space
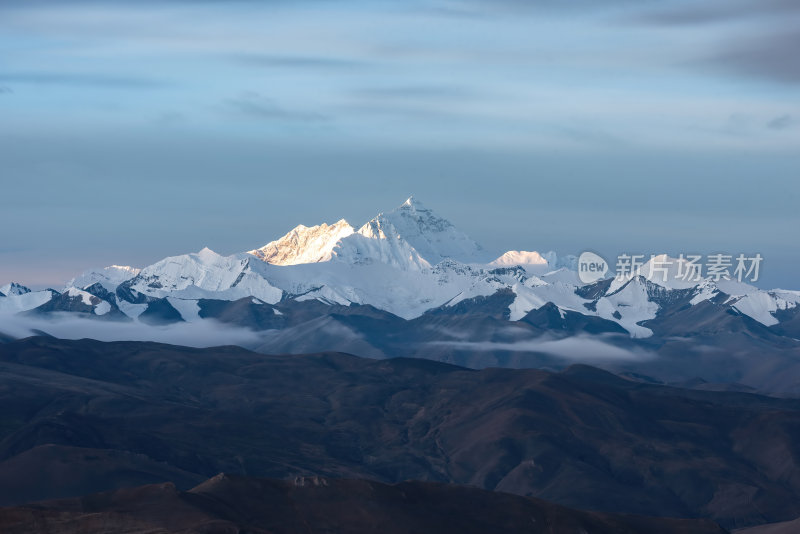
413, 212
434, 237
412, 202
205, 251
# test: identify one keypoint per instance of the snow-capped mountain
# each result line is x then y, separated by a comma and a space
409, 274
109, 277
406, 261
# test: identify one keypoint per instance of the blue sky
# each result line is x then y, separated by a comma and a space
135, 130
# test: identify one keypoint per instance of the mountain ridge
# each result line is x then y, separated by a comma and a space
521, 309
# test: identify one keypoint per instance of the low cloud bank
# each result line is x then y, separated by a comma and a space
576, 348
209, 333
203, 333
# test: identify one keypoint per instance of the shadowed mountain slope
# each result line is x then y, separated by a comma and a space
316, 505
131, 413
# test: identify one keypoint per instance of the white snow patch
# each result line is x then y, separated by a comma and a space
189, 309
633, 306
131, 310
25, 301
86, 298
707, 290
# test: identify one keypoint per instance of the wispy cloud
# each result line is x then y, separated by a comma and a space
783, 122
460, 8
256, 106
417, 92
169, 118
714, 11
300, 62
771, 56
74, 78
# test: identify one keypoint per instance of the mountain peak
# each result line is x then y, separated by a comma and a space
410, 237
413, 205
207, 253
378, 241
663, 270
520, 257
14, 289
434, 237
411, 202
109, 277
304, 244
123, 268
410, 234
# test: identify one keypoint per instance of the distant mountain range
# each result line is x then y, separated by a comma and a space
408, 283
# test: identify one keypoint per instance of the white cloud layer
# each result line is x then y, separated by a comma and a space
203, 333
